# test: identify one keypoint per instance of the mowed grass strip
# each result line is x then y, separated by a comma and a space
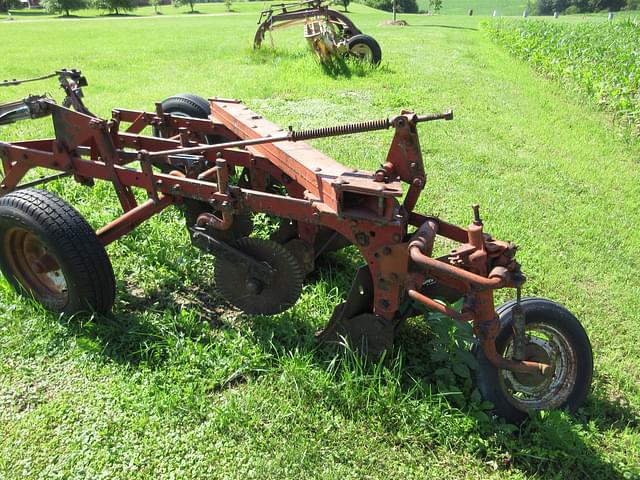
599, 60
177, 383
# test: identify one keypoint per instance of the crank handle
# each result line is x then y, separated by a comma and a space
448, 115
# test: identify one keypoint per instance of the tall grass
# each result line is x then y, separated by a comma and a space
599, 60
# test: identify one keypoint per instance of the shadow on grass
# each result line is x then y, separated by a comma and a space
454, 27
347, 67
27, 13
548, 445
336, 66
120, 15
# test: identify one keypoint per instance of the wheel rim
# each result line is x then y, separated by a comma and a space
361, 51
544, 344
35, 268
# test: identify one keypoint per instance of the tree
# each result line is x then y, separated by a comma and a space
227, 4
345, 4
154, 4
180, 3
115, 6
64, 6
547, 7
435, 6
5, 5
402, 6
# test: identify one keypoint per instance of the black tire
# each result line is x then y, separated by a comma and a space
560, 332
366, 48
50, 253
189, 105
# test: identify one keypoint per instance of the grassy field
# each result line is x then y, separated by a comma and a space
217, 8
175, 384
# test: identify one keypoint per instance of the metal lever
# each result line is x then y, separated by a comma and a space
448, 115
476, 215
519, 338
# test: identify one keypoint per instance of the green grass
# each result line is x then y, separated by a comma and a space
175, 384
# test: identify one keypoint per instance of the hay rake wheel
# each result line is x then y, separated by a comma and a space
328, 32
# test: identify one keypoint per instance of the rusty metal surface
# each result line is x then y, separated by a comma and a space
295, 12
34, 266
284, 177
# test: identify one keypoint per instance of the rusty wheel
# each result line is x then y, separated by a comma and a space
50, 253
35, 267
241, 287
554, 336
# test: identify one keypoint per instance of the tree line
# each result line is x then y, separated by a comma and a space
65, 7
548, 7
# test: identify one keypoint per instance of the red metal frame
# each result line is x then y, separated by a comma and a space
364, 207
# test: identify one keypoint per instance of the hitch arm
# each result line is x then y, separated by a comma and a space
31, 107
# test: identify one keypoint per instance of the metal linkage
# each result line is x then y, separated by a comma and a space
11, 83
337, 130
297, 136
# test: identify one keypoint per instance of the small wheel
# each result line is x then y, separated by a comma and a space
50, 253
366, 48
553, 336
189, 105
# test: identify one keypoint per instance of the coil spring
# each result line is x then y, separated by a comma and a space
340, 130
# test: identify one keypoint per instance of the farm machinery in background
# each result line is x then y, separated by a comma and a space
329, 33
220, 163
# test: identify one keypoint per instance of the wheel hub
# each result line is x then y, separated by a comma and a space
361, 51
36, 269
254, 286
533, 353
527, 391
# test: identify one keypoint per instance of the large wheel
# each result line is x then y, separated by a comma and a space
366, 48
553, 336
50, 253
187, 104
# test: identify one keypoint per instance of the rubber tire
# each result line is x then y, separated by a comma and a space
82, 258
536, 310
189, 105
376, 51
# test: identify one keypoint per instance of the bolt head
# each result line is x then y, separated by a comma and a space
254, 286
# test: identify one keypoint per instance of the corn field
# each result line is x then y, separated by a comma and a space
599, 60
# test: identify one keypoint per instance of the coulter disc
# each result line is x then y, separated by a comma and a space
252, 293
